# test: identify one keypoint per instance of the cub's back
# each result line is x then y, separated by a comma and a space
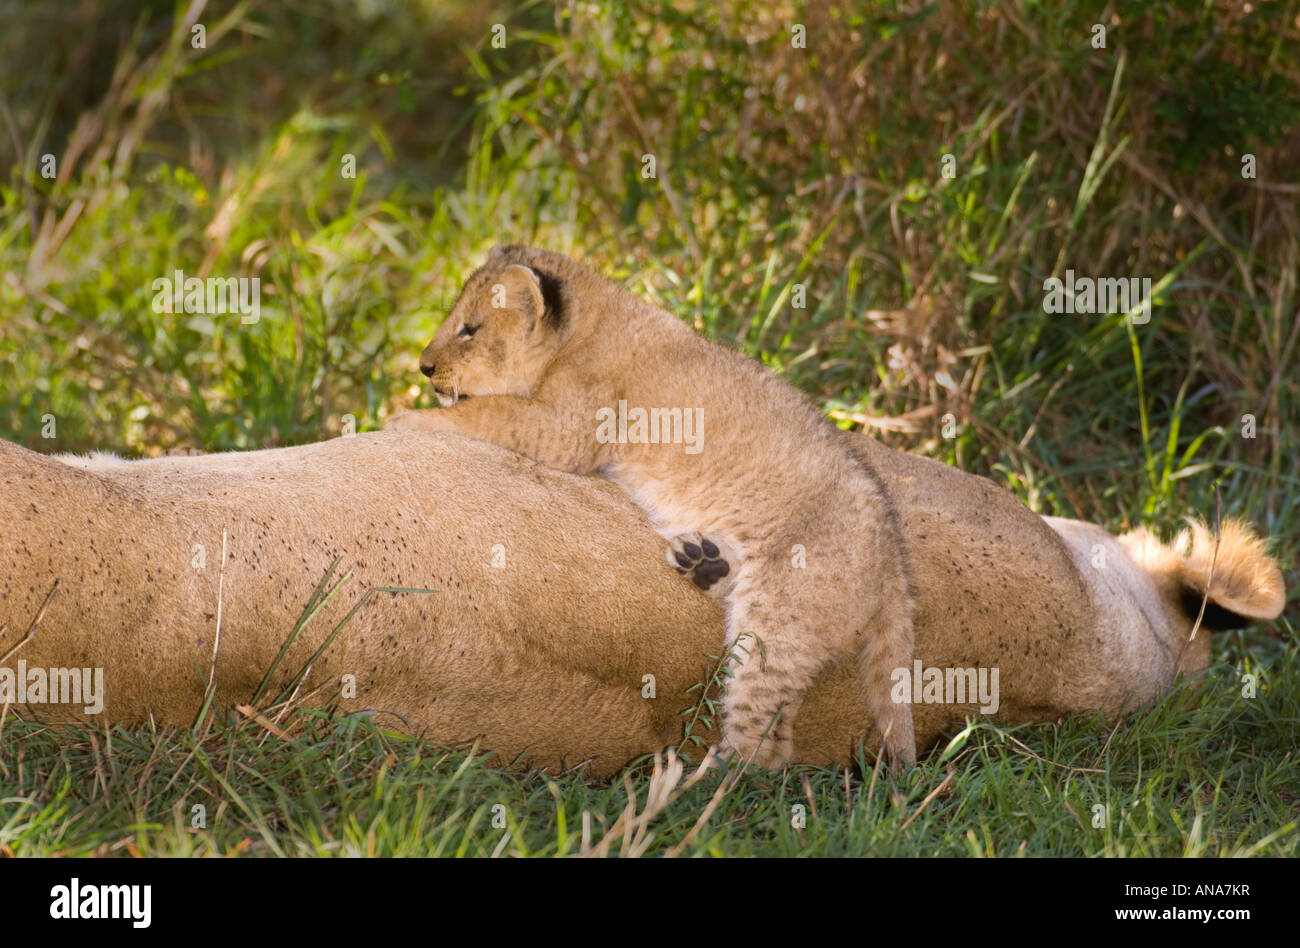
627, 350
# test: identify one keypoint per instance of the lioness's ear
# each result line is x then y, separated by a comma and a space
519, 288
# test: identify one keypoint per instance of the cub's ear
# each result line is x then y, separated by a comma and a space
519, 288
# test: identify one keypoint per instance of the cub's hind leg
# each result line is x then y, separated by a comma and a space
787, 628
887, 648
876, 616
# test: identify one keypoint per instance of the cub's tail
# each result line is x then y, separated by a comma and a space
1243, 580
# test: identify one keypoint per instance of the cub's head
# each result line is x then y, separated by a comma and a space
502, 332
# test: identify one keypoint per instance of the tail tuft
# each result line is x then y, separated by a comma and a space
1245, 585
1244, 581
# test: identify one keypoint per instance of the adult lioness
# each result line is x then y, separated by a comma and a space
547, 358
556, 635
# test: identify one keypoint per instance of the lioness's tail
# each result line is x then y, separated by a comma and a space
1244, 582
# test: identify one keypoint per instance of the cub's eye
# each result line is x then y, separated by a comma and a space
467, 331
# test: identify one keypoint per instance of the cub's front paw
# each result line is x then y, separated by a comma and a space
697, 558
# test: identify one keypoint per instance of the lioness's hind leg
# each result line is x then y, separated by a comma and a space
700, 560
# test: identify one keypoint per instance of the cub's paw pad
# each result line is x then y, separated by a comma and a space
698, 558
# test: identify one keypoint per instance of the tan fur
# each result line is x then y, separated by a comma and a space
94, 461
818, 567
542, 659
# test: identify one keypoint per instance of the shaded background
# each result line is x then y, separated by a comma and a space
776, 166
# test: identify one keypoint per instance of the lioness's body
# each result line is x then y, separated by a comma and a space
542, 658
556, 358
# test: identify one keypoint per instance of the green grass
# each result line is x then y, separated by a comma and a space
1214, 776
780, 172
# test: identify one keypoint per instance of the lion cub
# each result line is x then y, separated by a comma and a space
732, 465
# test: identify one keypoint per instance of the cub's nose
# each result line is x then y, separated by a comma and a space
428, 369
